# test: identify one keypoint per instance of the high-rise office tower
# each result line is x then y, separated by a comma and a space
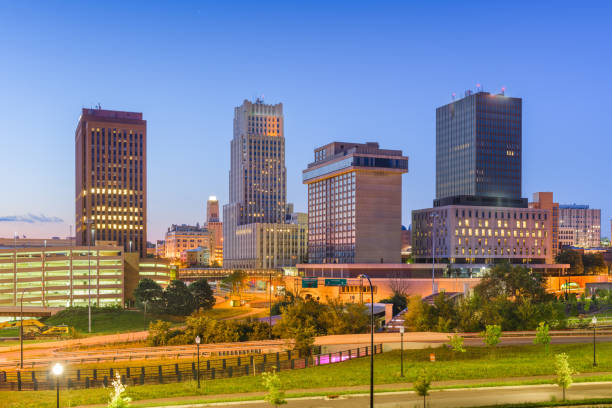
479, 151
212, 209
355, 203
257, 189
111, 178
579, 226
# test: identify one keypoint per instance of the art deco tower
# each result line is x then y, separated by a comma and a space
111, 178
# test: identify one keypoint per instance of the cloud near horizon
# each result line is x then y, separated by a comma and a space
30, 218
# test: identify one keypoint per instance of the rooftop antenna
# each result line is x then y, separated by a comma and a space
503, 90
98, 106
453, 96
478, 87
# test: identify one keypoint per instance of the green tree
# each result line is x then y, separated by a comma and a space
542, 336
491, 334
117, 397
573, 258
272, 383
151, 292
422, 386
236, 281
304, 337
594, 264
303, 313
564, 372
398, 300
416, 317
202, 294
178, 299
456, 343
159, 333
512, 281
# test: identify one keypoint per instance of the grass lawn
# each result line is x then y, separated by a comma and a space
476, 363
105, 321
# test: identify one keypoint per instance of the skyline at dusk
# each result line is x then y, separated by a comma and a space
358, 72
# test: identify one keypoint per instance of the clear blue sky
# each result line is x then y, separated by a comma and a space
351, 71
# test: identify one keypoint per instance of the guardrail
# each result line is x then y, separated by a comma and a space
170, 373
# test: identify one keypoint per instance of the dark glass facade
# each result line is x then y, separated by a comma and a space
479, 151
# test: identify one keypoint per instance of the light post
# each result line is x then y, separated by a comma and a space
57, 370
90, 237
594, 321
197, 339
371, 340
402, 350
433, 253
21, 330
270, 307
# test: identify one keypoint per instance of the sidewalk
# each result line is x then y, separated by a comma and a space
329, 391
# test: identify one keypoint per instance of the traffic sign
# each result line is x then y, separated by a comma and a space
335, 282
310, 283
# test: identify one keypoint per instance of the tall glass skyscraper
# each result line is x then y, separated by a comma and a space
479, 151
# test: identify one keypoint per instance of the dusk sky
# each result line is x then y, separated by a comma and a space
344, 71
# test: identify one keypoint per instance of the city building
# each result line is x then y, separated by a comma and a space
60, 276
111, 179
355, 203
479, 151
255, 229
199, 256
580, 226
215, 228
183, 237
160, 249
17, 242
544, 201
481, 235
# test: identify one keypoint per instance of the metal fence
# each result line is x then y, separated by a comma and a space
170, 373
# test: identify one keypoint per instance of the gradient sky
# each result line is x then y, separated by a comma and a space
349, 71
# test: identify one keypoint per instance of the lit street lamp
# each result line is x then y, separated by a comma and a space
594, 321
197, 339
57, 370
371, 340
21, 329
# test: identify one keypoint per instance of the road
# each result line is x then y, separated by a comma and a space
455, 398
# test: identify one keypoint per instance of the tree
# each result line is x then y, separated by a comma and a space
159, 333
594, 264
272, 383
416, 317
178, 299
573, 258
117, 399
398, 300
456, 343
304, 337
542, 336
422, 385
511, 281
236, 281
202, 294
491, 334
151, 292
564, 372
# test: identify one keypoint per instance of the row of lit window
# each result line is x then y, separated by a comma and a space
488, 232
119, 226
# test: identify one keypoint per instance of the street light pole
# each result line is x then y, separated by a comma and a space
594, 321
21, 330
402, 350
197, 340
57, 370
371, 341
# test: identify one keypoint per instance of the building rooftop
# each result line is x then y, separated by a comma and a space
574, 206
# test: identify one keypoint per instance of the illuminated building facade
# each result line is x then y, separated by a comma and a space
111, 179
180, 238
355, 204
255, 233
215, 229
60, 276
481, 235
479, 151
544, 201
580, 226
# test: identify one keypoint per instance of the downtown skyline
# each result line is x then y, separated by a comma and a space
383, 86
